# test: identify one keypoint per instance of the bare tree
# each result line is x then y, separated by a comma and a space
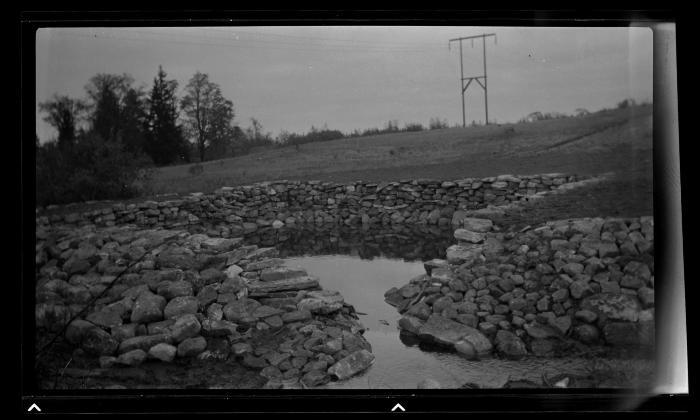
208, 115
64, 114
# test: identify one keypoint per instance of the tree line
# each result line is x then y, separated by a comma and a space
106, 140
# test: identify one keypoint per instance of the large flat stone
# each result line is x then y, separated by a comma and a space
446, 332
263, 288
281, 273
352, 364
461, 254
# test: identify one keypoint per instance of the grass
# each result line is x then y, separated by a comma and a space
543, 146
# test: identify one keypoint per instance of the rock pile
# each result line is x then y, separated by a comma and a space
233, 211
170, 296
571, 282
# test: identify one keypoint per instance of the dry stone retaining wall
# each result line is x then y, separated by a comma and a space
233, 211
136, 295
546, 290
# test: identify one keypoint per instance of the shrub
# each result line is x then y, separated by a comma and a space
436, 123
92, 169
413, 127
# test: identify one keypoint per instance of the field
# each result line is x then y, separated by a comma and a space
615, 141
597, 143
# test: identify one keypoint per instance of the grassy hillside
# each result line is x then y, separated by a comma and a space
618, 140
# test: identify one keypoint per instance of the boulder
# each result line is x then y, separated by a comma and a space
185, 326
132, 358
181, 305
351, 365
264, 288
321, 302
462, 254
221, 244
218, 328
410, 324
538, 331
170, 290
477, 225
181, 258
211, 276
76, 331
446, 332
510, 345
191, 347
281, 273
233, 271
148, 307
434, 263
240, 309
464, 235
98, 342
296, 316
314, 378
466, 350
160, 327
143, 342
614, 307
163, 351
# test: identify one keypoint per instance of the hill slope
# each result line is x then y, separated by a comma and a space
618, 140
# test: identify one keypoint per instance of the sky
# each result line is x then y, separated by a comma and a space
358, 77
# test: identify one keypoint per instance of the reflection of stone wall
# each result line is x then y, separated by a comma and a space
232, 211
417, 242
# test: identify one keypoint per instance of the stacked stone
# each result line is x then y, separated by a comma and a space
571, 282
233, 211
193, 296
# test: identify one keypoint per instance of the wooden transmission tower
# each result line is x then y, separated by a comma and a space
470, 79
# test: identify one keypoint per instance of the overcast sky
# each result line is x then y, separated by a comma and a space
357, 77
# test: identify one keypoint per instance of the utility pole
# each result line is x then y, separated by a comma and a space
462, 86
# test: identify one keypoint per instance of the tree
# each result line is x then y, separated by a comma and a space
108, 94
208, 115
165, 142
133, 121
63, 114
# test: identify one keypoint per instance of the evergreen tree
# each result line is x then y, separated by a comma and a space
165, 143
108, 93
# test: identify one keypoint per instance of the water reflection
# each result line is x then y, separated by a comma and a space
410, 243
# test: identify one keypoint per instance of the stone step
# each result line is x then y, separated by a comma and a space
263, 264
281, 273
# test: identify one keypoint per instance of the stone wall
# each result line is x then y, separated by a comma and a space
135, 296
233, 211
541, 291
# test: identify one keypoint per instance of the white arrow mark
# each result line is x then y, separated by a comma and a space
397, 406
34, 407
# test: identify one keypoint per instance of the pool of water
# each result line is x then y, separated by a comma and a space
400, 362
